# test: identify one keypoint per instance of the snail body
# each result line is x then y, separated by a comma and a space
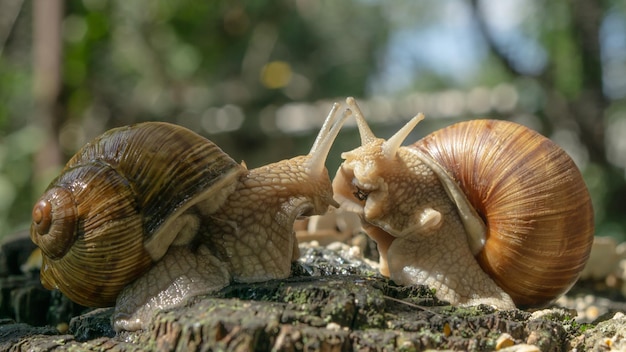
146, 216
484, 211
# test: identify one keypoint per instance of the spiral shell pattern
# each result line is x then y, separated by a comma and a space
113, 195
532, 198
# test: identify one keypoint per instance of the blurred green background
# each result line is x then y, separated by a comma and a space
259, 77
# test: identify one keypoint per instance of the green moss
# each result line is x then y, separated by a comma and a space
575, 328
466, 312
584, 327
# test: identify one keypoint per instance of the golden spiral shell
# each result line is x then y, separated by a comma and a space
113, 195
532, 198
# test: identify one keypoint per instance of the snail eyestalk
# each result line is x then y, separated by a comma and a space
367, 136
324, 141
390, 147
326, 126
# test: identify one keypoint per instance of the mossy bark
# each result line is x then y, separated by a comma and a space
331, 303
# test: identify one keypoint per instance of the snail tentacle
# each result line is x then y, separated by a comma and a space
367, 136
390, 146
326, 127
324, 141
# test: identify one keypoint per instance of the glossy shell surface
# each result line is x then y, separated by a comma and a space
532, 198
116, 193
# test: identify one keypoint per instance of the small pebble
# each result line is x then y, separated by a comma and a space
333, 327
533, 338
592, 312
505, 340
338, 246
446, 330
62, 327
521, 348
560, 313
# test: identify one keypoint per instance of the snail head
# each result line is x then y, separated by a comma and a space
373, 181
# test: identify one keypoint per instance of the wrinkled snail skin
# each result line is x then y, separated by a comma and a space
147, 216
249, 238
286, 189
483, 211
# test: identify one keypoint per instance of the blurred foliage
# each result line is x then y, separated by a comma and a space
181, 61
226, 69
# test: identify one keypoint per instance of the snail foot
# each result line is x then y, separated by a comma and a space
181, 274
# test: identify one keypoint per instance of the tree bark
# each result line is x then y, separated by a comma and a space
47, 54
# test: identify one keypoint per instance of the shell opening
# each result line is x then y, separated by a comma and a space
324, 141
367, 136
390, 147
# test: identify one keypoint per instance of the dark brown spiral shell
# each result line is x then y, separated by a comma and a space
54, 222
112, 196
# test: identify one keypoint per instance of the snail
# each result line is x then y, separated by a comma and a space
483, 211
146, 216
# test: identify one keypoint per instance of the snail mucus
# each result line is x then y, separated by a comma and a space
146, 216
483, 211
